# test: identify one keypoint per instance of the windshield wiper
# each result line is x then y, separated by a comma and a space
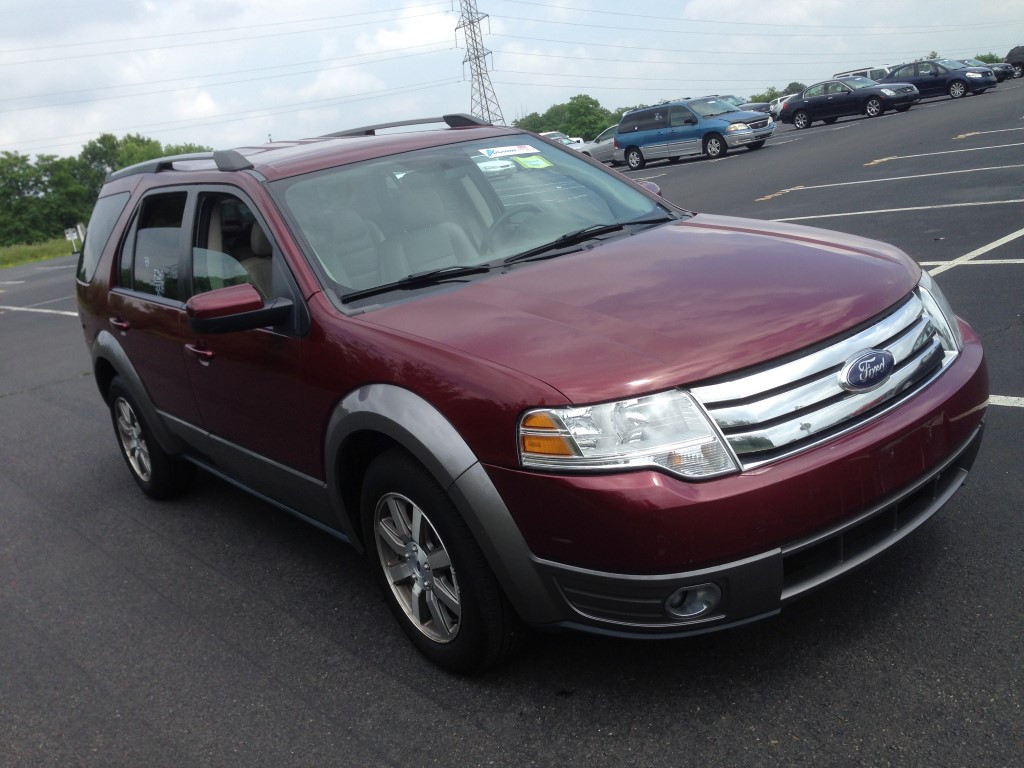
418, 280
576, 237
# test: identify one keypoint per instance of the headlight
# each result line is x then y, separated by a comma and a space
668, 430
888, 92
737, 127
940, 313
973, 74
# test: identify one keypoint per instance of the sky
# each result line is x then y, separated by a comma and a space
242, 72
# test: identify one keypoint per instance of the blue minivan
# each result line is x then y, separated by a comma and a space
676, 129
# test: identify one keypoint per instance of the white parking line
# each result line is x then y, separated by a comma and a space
977, 252
1012, 402
40, 311
889, 178
881, 160
900, 210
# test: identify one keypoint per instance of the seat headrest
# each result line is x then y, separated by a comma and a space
350, 226
258, 241
421, 208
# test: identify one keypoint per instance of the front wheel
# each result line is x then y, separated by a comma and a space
635, 159
957, 89
435, 579
1018, 70
157, 473
715, 146
873, 107
801, 120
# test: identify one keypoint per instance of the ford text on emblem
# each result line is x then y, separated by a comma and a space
866, 370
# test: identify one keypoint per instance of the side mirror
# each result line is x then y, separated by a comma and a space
650, 186
235, 308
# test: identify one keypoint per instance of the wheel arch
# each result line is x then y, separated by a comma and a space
109, 361
378, 417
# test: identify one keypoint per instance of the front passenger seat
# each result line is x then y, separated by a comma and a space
428, 242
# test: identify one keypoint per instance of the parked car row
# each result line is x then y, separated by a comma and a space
712, 125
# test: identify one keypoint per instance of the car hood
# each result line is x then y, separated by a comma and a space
678, 304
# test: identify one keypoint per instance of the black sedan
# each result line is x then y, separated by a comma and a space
1001, 70
844, 96
938, 77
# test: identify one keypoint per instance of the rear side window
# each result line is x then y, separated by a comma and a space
151, 258
101, 224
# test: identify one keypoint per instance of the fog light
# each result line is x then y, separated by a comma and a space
693, 602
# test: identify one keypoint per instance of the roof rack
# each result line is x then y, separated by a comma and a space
224, 159
459, 120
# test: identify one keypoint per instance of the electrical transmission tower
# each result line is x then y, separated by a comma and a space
483, 103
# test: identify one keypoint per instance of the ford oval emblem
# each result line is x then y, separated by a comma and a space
866, 370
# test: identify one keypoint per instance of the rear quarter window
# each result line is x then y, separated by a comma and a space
101, 224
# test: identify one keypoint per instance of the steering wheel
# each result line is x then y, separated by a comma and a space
505, 227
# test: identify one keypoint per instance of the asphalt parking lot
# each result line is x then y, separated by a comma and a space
214, 630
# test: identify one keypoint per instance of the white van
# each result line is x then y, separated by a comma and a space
872, 73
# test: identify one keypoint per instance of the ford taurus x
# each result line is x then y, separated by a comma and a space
547, 398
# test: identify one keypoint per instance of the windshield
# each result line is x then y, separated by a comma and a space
434, 210
858, 82
950, 64
711, 107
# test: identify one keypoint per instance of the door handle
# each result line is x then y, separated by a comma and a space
120, 323
200, 353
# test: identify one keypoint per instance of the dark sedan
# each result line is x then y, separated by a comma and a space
1001, 70
938, 77
831, 99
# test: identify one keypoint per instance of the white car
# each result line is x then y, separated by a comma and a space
495, 167
561, 137
775, 105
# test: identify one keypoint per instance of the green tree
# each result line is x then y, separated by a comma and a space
581, 116
23, 208
989, 58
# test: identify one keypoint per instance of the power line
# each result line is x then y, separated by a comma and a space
484, 102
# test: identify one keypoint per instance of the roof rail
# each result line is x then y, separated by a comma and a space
225, 160
458, 120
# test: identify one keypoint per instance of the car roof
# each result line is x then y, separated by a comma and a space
281, 159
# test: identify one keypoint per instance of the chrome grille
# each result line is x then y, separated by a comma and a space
779, 411
757, 124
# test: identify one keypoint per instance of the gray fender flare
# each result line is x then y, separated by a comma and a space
106, 348
417, 426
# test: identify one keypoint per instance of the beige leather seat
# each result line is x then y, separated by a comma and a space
257, 261
352, 256
427, 242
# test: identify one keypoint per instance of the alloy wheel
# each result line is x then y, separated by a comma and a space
129, 431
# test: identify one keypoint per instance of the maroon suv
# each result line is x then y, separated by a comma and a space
530, 389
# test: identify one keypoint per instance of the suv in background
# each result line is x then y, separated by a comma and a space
707, 126
551, 399
1015, 58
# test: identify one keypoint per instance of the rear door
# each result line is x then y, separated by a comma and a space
147, 305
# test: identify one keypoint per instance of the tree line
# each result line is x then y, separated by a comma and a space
41, 198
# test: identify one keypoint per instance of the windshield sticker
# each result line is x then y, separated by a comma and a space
520, 149
533, 162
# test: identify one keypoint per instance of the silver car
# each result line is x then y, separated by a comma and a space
601, 148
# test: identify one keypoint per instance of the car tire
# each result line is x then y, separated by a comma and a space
830, 120
756, 145
873, 107
157, 473
715, 146
635, 159
957, 89
801, 120
1018, 70
417, 543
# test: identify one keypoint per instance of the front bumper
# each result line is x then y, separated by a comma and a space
758, 586
741, 138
